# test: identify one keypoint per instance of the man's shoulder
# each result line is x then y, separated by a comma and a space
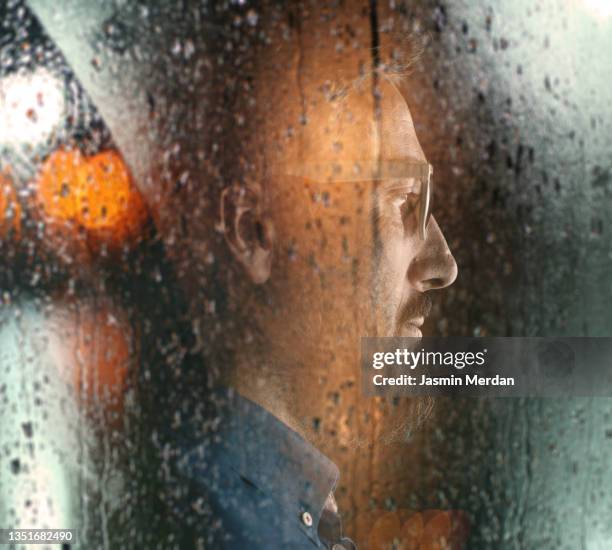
254, 482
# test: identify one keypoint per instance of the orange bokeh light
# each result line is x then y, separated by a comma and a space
10, 210
94, 348
94, 193
102, 351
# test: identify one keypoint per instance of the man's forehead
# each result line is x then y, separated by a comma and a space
398, 135
367, 123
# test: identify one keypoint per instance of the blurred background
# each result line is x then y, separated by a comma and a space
513, 106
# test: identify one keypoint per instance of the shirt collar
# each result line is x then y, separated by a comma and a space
268, 454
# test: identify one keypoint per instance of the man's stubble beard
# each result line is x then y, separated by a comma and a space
385, 298
388, 308
291, 364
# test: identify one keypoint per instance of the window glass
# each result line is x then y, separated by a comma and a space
206, 205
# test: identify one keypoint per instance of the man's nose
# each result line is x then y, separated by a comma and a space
434, 265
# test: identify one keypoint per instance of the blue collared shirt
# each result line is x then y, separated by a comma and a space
260, 483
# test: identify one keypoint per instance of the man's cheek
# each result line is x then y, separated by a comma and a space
393, 254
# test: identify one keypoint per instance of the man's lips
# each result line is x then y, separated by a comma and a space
415, 311
412, 316
411, 327
410, 330
417, 322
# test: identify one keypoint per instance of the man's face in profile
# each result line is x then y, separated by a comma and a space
344, 189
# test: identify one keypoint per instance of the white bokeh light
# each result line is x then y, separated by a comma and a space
599, 8
32, 107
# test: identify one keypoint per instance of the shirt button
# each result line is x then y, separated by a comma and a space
338, 547
307, 519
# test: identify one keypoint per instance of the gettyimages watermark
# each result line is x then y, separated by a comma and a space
481, 367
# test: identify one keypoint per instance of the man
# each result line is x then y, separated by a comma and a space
338, 225
297, 214
332, 221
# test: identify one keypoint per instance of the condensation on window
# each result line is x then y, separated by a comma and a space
200, 195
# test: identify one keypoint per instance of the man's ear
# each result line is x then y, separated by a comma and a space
248, 231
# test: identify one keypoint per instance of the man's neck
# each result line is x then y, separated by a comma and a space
270, 397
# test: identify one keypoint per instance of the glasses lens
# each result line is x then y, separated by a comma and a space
425, 206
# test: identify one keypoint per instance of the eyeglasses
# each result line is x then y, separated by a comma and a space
371, 171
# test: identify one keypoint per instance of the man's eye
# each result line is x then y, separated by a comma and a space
408, 203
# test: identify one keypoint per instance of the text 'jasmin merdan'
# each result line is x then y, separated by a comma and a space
414, 359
